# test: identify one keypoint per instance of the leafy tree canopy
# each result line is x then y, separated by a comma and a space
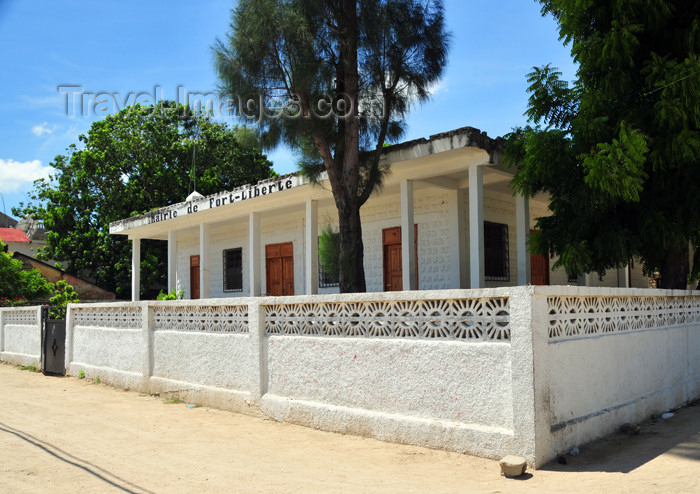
334, 79
17, 283
128, 164
619, 149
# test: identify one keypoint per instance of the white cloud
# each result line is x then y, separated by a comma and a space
40, 130
17, 175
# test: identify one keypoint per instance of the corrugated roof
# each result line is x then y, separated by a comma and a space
13, 235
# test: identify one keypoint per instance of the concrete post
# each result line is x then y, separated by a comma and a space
311, 254
408, 256
458, 244
522, 223
172, 260
204, 260
147, 339
258, 364
135, 269
2, 331
476, 226
254, 254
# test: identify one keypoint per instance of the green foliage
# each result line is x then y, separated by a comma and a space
18, 286
31, 368
329, 252
172, 400
64, 294
81, 374
128, 164
617, 150
334, 80
171, 295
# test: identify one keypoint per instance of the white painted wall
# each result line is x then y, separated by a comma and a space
20, 335
578, 363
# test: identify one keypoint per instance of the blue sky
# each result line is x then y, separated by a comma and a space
126, 47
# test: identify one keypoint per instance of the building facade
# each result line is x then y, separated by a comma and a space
445, 218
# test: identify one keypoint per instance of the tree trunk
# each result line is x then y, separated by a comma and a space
351, 262
674, 270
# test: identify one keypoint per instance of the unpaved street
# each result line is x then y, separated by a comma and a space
69, 435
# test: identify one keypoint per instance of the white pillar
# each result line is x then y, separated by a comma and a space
522, 227
311, 254
458, 244
135, 269
172, 260
583, 280
476, 226
628, 281
204, 261
408, 239
254, 254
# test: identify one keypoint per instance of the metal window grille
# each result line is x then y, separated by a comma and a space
233, 270
496, 252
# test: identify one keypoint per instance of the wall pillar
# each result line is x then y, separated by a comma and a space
476, 226
627, 277
204, 260
458, 245
254, 254
408, 239
172, 260
135, 269
522, 227
311, 253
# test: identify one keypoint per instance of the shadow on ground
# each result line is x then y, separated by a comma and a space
619, 452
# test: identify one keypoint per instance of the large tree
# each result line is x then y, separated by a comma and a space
334, 79
128, 164
619, 149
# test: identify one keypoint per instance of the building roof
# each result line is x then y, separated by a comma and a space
14, 235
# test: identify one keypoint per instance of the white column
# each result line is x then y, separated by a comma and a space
458, 244
204, 261
583, 280
476, 226
311, 254
522, 227
628, 281
254, 254
408, 239
172, 260
135, 269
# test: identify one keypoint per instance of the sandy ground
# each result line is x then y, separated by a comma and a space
69, 435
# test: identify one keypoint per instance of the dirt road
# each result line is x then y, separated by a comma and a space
69, 435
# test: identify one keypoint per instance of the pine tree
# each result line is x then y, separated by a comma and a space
333, 79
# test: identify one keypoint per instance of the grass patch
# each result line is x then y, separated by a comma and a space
96, 380
171, 400
31, 368
81, 374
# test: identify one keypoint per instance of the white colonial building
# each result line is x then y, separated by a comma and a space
446, 218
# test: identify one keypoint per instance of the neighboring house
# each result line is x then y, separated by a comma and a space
445, 218
7, 221
87, 292
26, 235
16, 240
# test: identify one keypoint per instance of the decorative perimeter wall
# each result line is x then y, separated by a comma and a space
531, 371
20, 335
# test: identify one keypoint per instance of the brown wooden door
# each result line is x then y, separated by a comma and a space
279, 269
393, 275
539, 268
194, 277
